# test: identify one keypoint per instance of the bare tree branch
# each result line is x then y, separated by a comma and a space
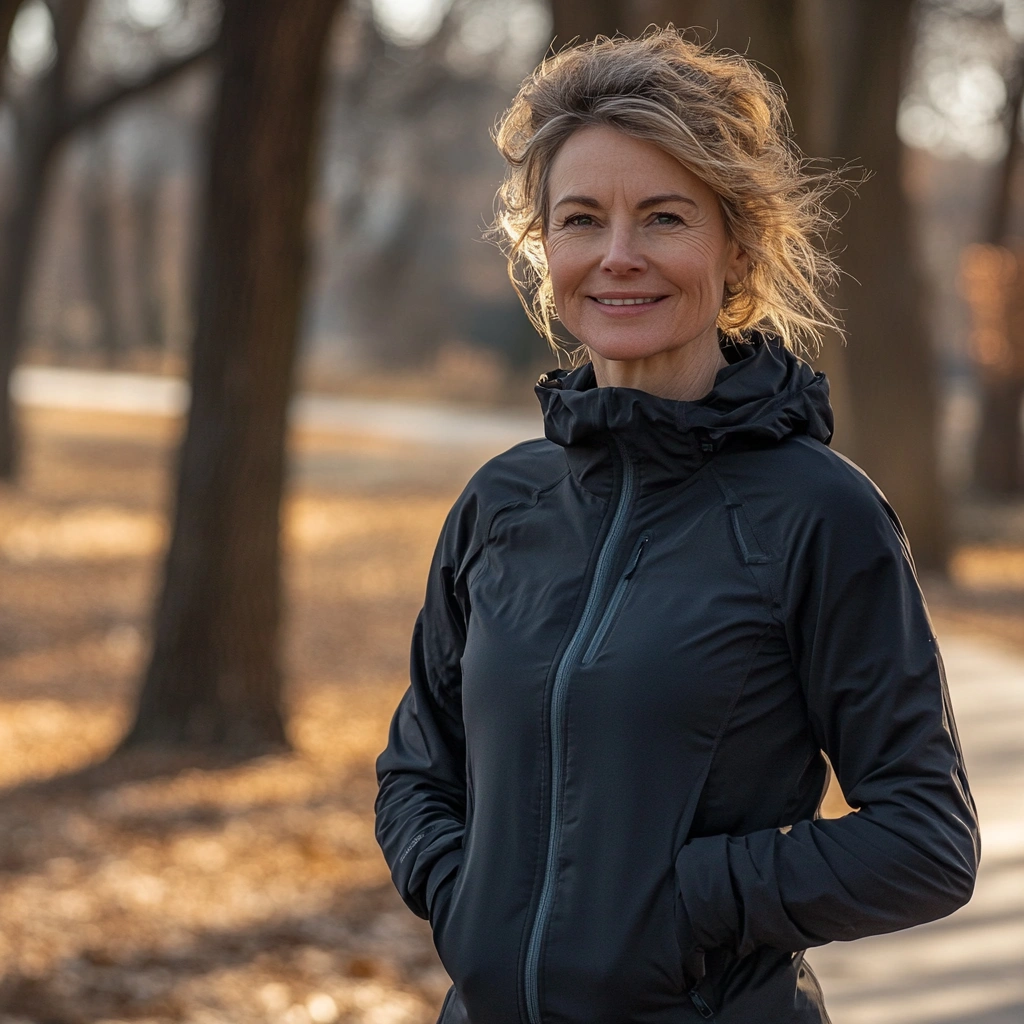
94, 109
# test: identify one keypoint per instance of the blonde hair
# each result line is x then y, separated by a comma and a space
718, 115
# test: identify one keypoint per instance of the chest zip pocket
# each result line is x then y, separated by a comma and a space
615, 603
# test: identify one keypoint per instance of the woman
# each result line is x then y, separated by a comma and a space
641, 632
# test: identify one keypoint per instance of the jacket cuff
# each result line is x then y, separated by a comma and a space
706, 894
446, 866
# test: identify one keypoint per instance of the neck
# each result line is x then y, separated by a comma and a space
684, 374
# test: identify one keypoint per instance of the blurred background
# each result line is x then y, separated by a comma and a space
252, 344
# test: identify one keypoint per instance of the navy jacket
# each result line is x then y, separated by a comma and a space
639, 635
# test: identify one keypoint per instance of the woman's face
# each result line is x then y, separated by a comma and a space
636, 247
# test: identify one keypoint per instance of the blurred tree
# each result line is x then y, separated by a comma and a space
391, 100
842, 64
145, 216
8, 11
44, 114
999, 446
97, 231
214, 677
409, 185
588, 18
36, 120
890, 364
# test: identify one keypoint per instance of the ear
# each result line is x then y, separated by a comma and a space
738, 266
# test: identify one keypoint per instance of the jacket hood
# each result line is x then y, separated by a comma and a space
765, 394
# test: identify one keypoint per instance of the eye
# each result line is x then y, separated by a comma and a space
578, 220
666, 218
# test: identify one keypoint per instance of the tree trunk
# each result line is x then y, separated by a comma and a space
19, 231
214, 678
36, 132
889, 359
841, 63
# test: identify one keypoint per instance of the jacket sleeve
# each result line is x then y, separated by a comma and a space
876, 696
421, 801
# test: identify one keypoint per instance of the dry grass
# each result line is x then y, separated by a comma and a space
153, 891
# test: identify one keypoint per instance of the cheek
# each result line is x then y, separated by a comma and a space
701, 268
565, 269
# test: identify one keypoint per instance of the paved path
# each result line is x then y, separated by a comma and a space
146, 394
967, 969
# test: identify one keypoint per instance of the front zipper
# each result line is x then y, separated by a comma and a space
612, 608
556, 721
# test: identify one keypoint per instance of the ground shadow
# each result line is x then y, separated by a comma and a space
99, 984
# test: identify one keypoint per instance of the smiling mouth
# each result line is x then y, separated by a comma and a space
646, 301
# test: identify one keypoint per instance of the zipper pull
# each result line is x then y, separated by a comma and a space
628, 574
702, 1007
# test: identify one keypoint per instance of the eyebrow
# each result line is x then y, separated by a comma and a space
668, 197
592, 204
587, 201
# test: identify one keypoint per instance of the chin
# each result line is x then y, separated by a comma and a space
629, 349
620, 343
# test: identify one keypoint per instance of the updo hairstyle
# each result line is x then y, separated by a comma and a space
718, 115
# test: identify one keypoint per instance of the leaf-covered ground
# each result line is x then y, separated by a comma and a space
147, 890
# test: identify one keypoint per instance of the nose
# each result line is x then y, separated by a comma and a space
623, 254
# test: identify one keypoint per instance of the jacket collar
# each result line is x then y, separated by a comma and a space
765, 394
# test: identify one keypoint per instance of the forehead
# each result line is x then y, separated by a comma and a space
601, 162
